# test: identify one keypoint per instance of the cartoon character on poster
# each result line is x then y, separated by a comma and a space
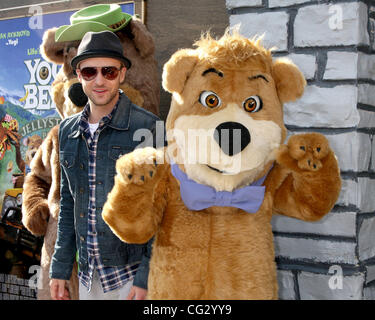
12, 166
21, 133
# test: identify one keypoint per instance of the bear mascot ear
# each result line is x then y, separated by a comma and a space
76, 94
289, 80
141, 37
50, 50
59, 52
178, 69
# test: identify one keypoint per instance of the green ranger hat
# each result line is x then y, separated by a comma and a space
96, 18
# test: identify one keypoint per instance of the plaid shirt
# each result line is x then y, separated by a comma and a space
111, 277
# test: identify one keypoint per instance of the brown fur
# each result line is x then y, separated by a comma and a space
33, 143
222, 252
40, 207
41, 194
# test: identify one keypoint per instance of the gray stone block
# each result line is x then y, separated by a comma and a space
372, 27
348, 193
366, 65
272, 24
320, 287
370, 273
364, 153
341, 65
324, 107
366, 239
352, 149
359, 194
285, 280
369, 293
331, 25
367, 119
336, 224
366, 94
305, 62
315, 250
366, 199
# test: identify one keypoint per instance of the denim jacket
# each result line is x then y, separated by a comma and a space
115, 140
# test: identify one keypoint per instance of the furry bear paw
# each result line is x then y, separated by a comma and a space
139, 166
307, 151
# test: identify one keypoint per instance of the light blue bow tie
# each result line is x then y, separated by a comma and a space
198, 196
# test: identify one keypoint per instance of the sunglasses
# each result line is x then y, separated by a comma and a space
109, 73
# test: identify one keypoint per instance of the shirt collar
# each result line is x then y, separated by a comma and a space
84, 121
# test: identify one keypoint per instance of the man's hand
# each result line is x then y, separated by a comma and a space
137, 293
58, 290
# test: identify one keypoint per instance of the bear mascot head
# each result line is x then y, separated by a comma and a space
208, 201
41, 193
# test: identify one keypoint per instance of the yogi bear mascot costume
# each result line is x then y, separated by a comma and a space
208, 198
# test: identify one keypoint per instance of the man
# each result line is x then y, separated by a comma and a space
90, 144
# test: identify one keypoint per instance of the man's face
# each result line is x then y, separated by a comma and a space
101, 91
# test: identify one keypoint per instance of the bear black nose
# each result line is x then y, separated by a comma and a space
232, 137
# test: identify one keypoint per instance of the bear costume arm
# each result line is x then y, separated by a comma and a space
135, 206
35, 208
306, 178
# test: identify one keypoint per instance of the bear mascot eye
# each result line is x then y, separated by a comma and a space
253, 104
209, 99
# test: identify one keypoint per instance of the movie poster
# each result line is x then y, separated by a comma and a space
27, 111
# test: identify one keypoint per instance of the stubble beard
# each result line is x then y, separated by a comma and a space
104, 103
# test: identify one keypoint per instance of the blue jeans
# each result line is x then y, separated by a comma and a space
97, 293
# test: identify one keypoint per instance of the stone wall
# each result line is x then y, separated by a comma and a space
333, 44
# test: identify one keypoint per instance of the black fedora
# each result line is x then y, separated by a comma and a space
100, 44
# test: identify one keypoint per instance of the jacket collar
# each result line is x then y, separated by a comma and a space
121, 118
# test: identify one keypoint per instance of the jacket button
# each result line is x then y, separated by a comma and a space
82, 238
82, 215
100, 182
81, 166
81, 190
